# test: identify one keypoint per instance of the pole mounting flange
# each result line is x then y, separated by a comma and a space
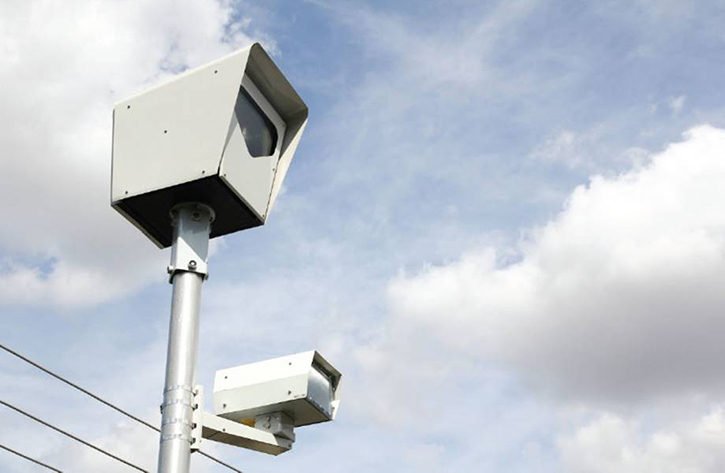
192, 225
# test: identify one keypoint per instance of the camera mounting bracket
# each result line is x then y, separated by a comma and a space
218, 429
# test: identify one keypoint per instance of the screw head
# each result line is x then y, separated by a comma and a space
192, 264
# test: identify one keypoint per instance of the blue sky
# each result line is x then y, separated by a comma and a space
502, 225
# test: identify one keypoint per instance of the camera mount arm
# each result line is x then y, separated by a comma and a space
219, 429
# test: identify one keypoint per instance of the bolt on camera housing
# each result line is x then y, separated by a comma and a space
222, 135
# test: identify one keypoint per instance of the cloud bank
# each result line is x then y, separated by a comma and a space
618, 297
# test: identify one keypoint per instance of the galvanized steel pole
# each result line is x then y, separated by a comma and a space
188, 269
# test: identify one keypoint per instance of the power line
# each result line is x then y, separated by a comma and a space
75, 386
219, 461
103, 401
59, 430
37, 462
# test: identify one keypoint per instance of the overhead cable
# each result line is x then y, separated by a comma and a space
37, 462
75, 386
219, 461
101, 400
69, 435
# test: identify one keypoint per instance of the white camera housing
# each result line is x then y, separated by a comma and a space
303, 386
222, 134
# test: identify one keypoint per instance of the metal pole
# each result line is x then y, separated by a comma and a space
188, 269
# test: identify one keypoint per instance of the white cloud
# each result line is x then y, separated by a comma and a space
676, 104
564, 147
588, 150
611, 310
438, 60
617, 298
62, 65
612, 444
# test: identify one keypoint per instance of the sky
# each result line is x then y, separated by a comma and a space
502, 226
